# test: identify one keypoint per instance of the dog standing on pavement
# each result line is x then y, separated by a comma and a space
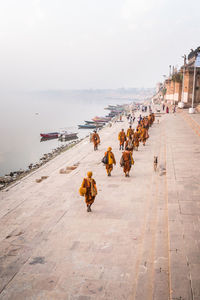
155, 163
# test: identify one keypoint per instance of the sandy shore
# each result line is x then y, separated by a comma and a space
140, 242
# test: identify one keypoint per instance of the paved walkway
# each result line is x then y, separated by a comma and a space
141, 241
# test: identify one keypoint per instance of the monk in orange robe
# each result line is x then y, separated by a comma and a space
126, 162
130, 132
139, 131
136, 140
152, 118
91, 190
149, 120
144, 135
96, 140
111, 161
146, 123
122, 139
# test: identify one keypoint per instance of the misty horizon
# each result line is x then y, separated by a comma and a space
48, 45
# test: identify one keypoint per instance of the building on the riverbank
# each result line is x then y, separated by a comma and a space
179, 85
158, 96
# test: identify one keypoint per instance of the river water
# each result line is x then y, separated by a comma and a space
23, 116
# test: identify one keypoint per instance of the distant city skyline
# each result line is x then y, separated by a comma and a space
90, 44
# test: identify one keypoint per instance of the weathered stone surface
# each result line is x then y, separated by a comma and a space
141, 240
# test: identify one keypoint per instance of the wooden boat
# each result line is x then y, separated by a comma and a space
112, 114
90, 126
110, 107
118, 108
68, 135
49, 135
94, 123
55, 135
101, 119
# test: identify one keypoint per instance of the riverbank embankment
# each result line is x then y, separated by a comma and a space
15, 176
141, 240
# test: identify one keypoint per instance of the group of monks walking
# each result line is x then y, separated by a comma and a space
128, 142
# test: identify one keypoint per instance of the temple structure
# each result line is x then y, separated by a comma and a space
179, 85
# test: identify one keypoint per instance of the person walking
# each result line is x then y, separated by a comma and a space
130, 132
126, 162
89, 190
144, 135
122, 139
110, 161
96, 140
136, 140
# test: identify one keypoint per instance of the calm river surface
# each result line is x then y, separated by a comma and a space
23, 116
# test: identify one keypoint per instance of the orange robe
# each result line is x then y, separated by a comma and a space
128, 160
95, 139
149, 120
111, 161
136, 139
87, 182
130, 132
121, 138
139, 133
146, 123
144, 135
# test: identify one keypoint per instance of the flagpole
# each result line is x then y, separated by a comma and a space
193, 91
196, 65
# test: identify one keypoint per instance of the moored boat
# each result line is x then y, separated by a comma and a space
94, 123
101, 119
68, 135
49, 135
61, 134
90, 126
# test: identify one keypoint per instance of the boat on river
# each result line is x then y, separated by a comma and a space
50, 135
94, 123
90, 126
62, 134
101, 119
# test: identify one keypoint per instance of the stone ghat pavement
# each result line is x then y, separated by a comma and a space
141, 241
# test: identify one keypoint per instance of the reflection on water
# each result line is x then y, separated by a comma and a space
61, 139
66, 139
44, 139
24, 116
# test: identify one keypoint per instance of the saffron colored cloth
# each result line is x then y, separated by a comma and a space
87, 182
128, 160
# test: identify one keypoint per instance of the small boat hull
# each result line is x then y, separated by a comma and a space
89, 126
55, 135
95, 123
101, 119
49, 135
68, 136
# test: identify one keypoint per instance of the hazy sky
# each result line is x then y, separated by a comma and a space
77, 44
